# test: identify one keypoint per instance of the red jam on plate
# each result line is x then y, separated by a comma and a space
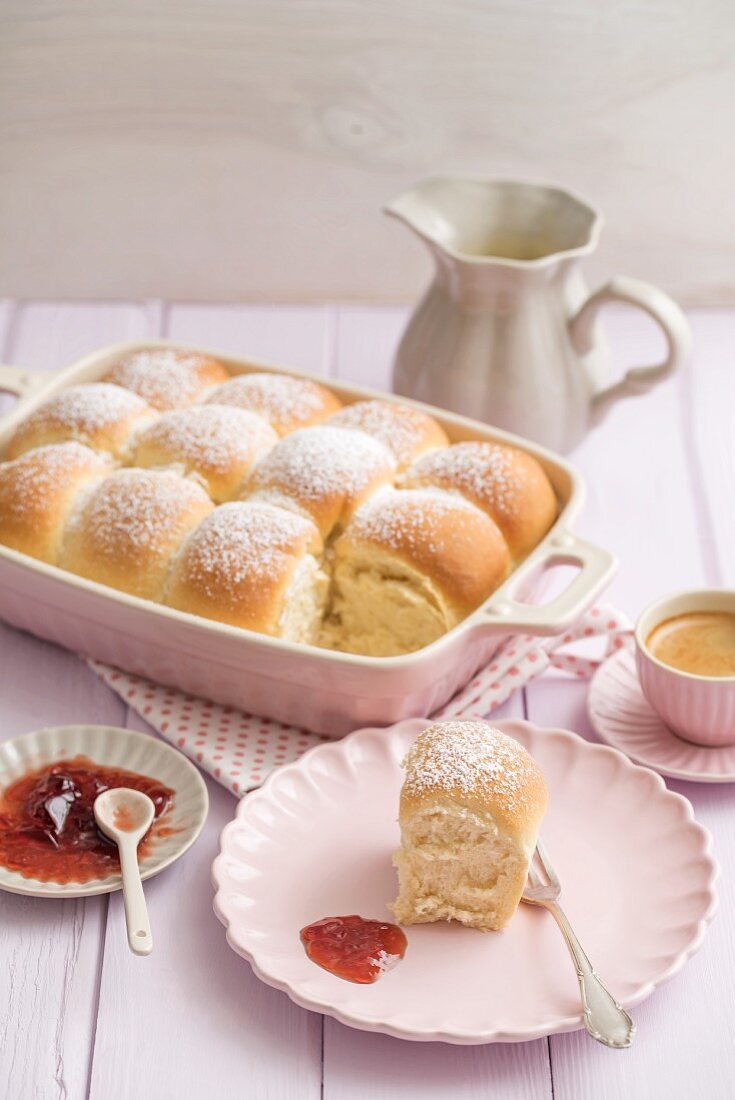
47, 825
353, 948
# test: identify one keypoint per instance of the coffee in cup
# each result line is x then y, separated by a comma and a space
700, 642
685, 657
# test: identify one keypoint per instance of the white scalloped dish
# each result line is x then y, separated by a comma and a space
111, 746
316, 841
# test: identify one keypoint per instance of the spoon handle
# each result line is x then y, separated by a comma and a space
140, 938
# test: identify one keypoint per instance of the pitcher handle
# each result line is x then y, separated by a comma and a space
656, 304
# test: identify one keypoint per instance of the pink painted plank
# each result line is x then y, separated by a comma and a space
50, 951
7, 315
688, 1008
199, 1021
384, 1068
366, 341
203, 1023
51, 335
646, 503
289, 336
639, 504
710, 415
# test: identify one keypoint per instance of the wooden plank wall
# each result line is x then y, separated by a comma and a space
241, 150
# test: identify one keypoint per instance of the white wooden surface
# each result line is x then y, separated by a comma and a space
79, 1016
243, 149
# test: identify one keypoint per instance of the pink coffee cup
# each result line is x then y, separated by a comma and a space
698, 708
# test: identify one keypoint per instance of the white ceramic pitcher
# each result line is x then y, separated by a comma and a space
507, 331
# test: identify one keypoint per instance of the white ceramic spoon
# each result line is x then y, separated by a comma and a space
125, 816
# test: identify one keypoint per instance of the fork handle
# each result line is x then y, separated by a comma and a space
604, 1018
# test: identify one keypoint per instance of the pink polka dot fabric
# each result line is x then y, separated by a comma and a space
524, 657
240, 750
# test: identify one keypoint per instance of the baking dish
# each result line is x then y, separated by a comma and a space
321, 690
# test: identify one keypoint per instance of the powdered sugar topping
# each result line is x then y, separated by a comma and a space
286, 402
470, 757
412, 517
398, 427
166, 377
315, 463
244, 541
488, 471
88, 408
134, 510
40, 476
210, 437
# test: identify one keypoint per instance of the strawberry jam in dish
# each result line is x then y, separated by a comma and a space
47, 826
354, 948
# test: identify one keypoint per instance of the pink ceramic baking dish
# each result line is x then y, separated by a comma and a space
315, 688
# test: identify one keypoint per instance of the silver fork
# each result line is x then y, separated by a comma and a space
604, 1018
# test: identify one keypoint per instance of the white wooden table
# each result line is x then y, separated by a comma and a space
80, 1016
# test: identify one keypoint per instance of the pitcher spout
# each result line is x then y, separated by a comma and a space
420, 211
498, 221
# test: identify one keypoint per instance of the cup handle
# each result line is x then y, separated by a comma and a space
656, 304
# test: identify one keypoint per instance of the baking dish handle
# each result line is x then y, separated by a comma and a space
596, 568
20, 381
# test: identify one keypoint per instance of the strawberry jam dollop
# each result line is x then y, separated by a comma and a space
47, 825
354, 948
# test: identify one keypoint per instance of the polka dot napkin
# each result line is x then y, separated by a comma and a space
240, 749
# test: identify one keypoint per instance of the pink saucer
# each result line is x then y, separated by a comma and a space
622, 717
316, 840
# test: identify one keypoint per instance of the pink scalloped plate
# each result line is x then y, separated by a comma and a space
622, 717
316, 840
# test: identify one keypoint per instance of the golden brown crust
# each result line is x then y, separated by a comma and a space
237, 565
98, 414
37, 492
219, 444
126, 532
408, 433
285, 401
323, 473
508, 484
473, 765
415, 551
168, 378
453, 544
